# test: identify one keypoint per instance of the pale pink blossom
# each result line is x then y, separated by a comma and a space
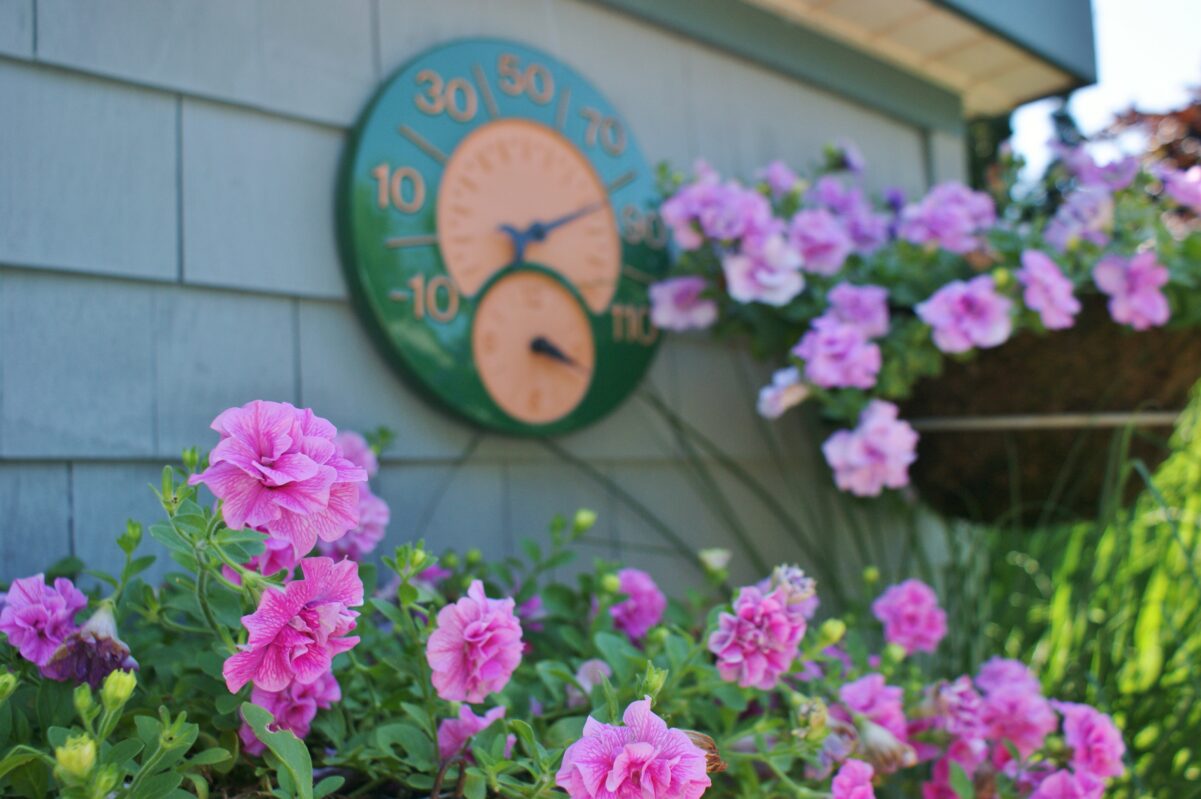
967, 314
911, 616
951, 216
1048, 291
874, 455
454, 734
865, 307
374, 516
1184, 186
37, 617
297, 630
356, 450
475, 647
644, 604
1096, 744
279, 469
766, 270
838, 355
821, 239
1113, 175
293, 708
785, 391
645, 759
799, 590
590, 674
677, 304
758, 642
1134, 286
867, 229
1064, 784
853, 781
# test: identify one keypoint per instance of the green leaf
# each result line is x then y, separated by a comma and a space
210, 757
961, 784
525, 734
619, 653
327, 786
291, 753
17, 757
415, 743
123, 752
475, 787
165, 534
391, 612
158, 786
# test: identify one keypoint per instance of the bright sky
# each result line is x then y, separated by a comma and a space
1148, 55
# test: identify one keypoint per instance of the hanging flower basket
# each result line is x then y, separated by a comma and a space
1027, 428
967, 340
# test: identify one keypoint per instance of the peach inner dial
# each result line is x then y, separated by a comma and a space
533, 383
517, 172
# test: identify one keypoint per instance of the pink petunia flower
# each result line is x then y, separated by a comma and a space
874, 455
951, 216
475, 647
454, 734
645, 759
1096, 744
1047, 291
969, 754
958, 708
881, 704
644, 607
1085, 215
766, 270
966, 315
785, 391
590, 674
758, 642
998, 672
1184, 186
37, 617
865, 307
1133, 286
279, 469
1066, 785
779, 177
838, 355
374, 515
356, 450
297, 630
821, 239
911, 616
853, 781
867, 229
531, 613
1015, 713
293, 708
677, 304
1113, 175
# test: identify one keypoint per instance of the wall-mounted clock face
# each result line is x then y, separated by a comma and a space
499, 233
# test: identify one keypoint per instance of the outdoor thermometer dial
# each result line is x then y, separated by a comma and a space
499, 233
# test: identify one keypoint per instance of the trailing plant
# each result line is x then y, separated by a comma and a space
863, 299
275, 660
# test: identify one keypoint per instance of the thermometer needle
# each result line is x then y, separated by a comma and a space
541, 345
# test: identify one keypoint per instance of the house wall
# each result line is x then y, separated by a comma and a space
167, 250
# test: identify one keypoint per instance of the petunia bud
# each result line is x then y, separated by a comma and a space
91, 652
714, 559
894, 653
883, 750
713, 762
583, 521
652, 682
8, 684
831, 632
610, 584
450, 560
871, 575
118, 687
812, 717
474, 557
1002, 277
84, 703
75, 759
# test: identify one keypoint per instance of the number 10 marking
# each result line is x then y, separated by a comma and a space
438, 297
